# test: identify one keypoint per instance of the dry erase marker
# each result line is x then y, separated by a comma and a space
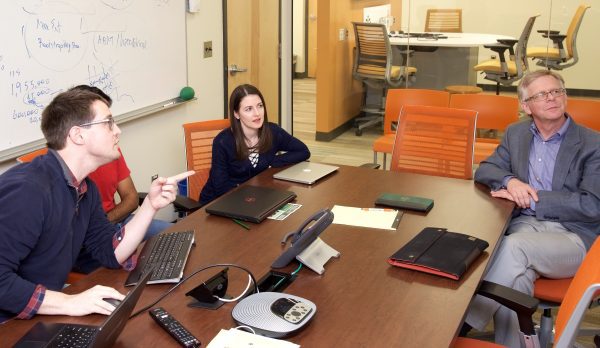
168, 104
397, 219
241, 223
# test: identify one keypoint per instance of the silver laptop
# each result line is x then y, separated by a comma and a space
305, 172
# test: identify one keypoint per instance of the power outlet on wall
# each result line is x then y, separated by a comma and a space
207, 49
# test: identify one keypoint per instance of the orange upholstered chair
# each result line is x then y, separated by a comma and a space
28, 157
199, 137
396, 98
435, 140
584, 288
585, 112
493, 112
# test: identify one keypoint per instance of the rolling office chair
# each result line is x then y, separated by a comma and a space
552, 291
373, 66
435, 140
199, 138
395, 100
505, 72
556, 57
444, 20
494, 112
582, 293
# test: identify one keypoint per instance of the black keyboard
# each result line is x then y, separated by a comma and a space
167, 254
73, 336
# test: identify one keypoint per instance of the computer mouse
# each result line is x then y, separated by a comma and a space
112, 301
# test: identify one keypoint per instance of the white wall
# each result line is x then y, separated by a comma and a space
154, 144
486, 16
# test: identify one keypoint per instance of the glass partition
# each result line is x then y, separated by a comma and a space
446, 58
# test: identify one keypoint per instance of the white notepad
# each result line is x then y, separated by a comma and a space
234, 338
382, 218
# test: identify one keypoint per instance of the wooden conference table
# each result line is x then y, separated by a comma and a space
447, 60
361, 300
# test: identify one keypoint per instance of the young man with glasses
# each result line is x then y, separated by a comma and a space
549, 166
49, 210
114, 177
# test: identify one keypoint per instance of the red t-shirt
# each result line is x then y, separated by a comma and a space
107, 178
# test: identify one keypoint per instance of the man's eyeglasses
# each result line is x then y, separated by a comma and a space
542, 96
109, 120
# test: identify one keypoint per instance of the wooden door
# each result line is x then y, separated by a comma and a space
253, 49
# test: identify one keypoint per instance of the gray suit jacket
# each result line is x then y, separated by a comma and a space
575, 197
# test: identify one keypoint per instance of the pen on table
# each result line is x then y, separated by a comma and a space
397, 219
241, 224
168, 104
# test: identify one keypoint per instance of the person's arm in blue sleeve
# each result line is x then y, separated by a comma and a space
20, 229
295, 150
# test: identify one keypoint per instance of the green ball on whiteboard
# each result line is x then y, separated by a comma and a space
186, 93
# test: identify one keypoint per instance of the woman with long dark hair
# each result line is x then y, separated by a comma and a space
251, 145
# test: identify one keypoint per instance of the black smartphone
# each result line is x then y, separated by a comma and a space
275, 281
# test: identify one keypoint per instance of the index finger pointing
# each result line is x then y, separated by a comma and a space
179, 177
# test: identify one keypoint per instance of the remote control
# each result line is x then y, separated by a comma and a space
174, 328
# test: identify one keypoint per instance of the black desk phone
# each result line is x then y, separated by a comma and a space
304, 236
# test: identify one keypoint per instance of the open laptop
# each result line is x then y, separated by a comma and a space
250, 203
53, 334
305, 172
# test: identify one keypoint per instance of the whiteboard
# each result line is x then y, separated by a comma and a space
134, 50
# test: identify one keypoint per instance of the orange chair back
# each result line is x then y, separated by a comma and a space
199, 138
396, 98
493, 111
28, 157
585, 112
588, 274
435, 140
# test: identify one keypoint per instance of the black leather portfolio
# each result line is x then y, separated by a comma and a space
439, 251
405, 202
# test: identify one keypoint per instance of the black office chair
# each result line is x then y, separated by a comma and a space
373, 66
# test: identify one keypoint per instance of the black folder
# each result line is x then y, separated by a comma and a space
439, 251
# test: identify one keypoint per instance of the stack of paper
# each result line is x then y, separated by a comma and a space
387, 219
234, 338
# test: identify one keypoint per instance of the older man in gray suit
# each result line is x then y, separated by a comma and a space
549, 166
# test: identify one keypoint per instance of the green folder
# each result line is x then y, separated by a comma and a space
405, 202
